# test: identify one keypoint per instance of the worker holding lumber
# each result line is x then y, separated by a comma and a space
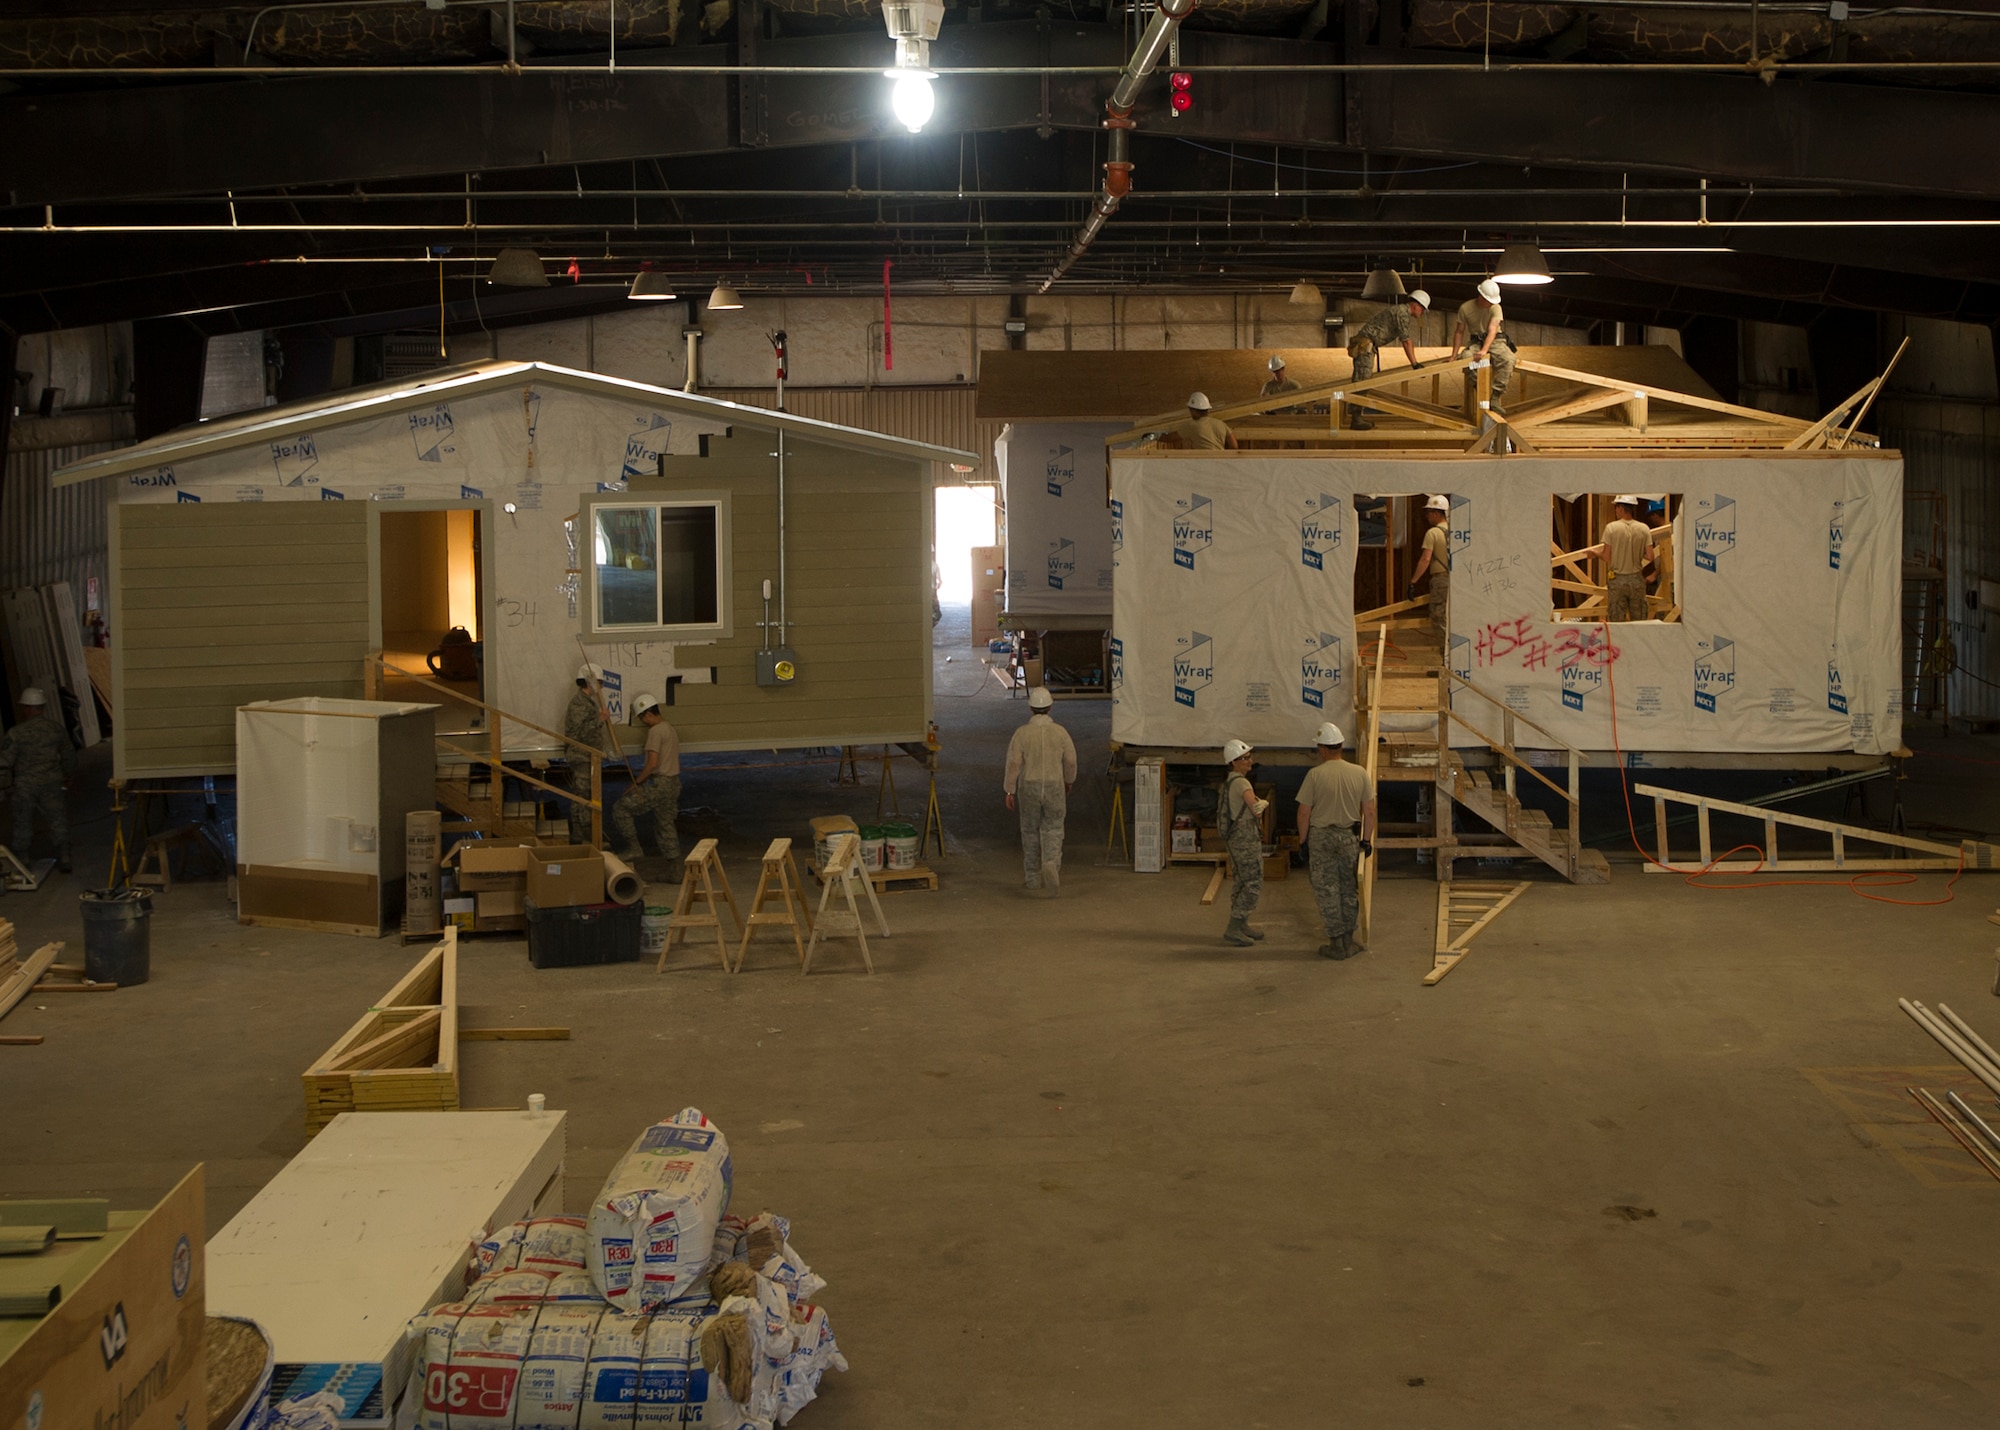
1199, 432
1435, 559
585, 722
1337, 827
1476, 335
1627, 549
38, 753
1239, 817
1041, 766
656, 789
1391, 325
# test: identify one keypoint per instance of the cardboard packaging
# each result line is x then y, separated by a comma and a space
563, 875
500, 911
422, 833
461, 912
484, 866
125, 1346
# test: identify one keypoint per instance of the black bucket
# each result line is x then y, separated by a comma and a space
117, 936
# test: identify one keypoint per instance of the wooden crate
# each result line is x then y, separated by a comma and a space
402, 1056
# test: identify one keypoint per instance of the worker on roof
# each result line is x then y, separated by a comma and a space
1337, 827
656, 789
1435, 561
1200, 432
585, 722
43, 762
1239, 818
1278, 384
1476, 336
1627, 549
1041, 766
1391, 325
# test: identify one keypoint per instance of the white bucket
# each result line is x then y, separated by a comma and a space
901, 847
653, 925
872, 843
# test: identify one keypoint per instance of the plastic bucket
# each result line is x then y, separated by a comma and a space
117, 936
900, 846
653, 925
873, 838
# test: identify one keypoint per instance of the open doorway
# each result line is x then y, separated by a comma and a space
432, 593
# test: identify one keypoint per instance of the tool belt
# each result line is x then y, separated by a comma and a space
1362, 344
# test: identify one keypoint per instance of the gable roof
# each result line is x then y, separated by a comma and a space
359, 404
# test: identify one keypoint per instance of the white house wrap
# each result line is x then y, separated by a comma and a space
1058, 536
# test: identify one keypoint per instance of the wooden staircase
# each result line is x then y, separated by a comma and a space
1410, 700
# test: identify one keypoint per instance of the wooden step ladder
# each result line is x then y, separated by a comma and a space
779, 884
702, 882
1464, 910
843, 872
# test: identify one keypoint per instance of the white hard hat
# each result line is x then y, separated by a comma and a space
1198, 401
1490, 291
590, 672
1329, 734
1276, 364
33, 696
1040, 699
1420, 298
1438, 503
1234, 750
643, 704
1628, 500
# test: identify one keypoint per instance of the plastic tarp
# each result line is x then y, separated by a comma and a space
1058, 531
1233, 611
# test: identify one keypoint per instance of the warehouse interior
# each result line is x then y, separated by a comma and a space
627, 647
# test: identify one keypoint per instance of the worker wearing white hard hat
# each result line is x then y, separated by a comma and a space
42, 761
1279, 383
1337, 827
1394, 324
1435, 561
1627, 548
656, 790
1201, 432
1041, 767
1477, 337
1239, 818
586, 723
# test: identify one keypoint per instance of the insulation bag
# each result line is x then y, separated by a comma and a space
652, 1230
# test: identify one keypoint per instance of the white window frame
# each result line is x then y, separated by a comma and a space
724, 625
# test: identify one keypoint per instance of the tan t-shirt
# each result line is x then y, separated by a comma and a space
1437, 541
1279, 386
1336, 790
1625, 544
1202, 434
664, 742
1476, 318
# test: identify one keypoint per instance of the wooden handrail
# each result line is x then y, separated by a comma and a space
1500, 749
480, 757
1502, 705
464, 699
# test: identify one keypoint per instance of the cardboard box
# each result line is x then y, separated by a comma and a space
462, 912
125, 1346
500, 911
482, 866
562, 875
1278, 865
1186, 841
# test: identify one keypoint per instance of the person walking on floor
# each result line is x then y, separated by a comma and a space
1041, 766
43, 762
1391, 325
1476, 335
1627, 550
1435, 560
1337, 827
585, 722
1199, 432
1239, 816
656, 789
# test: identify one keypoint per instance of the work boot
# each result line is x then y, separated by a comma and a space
1331, 950
1238, 935
1360, 423
62, 858
1052, 877
631, 856
1255, 933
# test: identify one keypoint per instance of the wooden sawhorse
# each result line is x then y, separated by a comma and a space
702, 879
843, 871
777, 884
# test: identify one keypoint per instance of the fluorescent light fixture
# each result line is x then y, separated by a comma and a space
724, 299
651, 285
1306, 294
912, 98
517, 268
1522, 263
1384, 285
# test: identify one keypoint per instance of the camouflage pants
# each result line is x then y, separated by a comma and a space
33, 797
660, 797
1042, 804
579, 812
1441, 606
1363, 354
1502, 358
1335, 850
1626, 599
1246, 853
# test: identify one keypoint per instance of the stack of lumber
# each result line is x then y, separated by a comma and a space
402, 1056
17, 977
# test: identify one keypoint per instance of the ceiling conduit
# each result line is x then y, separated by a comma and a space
1118, 119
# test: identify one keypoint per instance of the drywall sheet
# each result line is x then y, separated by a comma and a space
1234, 587
1058, 530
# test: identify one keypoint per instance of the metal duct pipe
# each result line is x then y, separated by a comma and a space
693, 335
1118, 120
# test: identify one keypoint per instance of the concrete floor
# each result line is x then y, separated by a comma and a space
1074, 1162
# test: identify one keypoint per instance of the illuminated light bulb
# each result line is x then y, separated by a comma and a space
912, 98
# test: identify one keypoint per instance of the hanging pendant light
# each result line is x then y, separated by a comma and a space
1307, 294
1384, 285
517, 268
723, 299
651, 285
1522, 263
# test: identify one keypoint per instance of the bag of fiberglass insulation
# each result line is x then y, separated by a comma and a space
653, 1227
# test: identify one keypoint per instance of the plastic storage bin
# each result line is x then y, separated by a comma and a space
579, 934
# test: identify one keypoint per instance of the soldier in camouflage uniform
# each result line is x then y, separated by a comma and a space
1240, 814
583, 722
38, 752
1337, 826
1391, 325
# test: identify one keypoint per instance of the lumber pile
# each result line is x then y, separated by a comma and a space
402, 1055
1952, 1112
16, 976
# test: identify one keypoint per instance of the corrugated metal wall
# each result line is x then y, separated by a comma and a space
1965, 467
940, 415
49, 535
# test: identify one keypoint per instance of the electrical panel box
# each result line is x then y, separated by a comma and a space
779, 666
